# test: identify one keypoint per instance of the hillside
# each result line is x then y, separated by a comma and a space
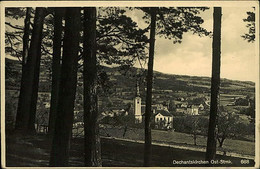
122, 81
182, 83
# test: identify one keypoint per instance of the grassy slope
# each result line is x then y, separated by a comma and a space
176, 138
34, 151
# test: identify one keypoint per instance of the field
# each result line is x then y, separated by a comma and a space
229, 99
115, 153
182, 139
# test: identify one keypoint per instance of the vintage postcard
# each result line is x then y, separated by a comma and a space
130, 84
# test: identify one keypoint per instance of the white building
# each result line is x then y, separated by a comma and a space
192, 110
163, 119
137, 106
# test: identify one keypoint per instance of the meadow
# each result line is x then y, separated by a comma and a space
181, 139
115, 153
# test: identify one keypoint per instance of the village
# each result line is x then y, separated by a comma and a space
163, 112
127, 98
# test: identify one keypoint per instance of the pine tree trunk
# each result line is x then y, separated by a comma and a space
59, 156
148, 107
24, 61
91, 127
26, 35
34, 96
28, 76
215, 82
56, 64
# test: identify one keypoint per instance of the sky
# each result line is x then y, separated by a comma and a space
194, 55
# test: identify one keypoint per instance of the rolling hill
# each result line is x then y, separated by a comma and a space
125, 81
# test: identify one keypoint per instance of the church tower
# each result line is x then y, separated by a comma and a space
137, 105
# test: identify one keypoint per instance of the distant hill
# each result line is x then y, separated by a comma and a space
184, 83
125, 81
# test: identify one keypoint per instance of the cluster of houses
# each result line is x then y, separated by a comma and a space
161, 116
189, 109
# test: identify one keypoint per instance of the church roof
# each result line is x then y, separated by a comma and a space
161, 111
164, 113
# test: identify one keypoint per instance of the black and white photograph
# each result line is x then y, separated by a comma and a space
130, 84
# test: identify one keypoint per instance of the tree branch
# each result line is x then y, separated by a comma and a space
12, 26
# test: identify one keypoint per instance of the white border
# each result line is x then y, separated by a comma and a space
2, 35
257, 96
129, 4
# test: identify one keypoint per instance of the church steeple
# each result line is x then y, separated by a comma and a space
137, 90
137, 105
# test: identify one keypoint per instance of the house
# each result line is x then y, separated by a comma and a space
181, 108
108, 114
163, 119
192, 110
114, 112
181, 99
200, 106
189, 109
182, 105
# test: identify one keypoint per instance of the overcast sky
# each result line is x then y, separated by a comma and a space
193, 56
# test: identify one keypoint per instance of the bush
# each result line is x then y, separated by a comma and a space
185, 124
241, 102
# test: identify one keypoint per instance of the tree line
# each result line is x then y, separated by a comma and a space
87, 38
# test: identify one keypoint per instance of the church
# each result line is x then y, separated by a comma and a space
138, 106
161, 115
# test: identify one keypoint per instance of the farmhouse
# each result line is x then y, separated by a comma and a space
192, 110
163, 115
163, 119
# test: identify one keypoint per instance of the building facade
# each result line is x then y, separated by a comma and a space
137, 106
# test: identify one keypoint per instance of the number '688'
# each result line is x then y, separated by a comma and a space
244, 161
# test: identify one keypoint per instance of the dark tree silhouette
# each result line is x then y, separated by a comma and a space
63, 124
215, 82
170, 23
26, 35
56, 64
29, 79
91, 127
16, 35
148, 106
250, 36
